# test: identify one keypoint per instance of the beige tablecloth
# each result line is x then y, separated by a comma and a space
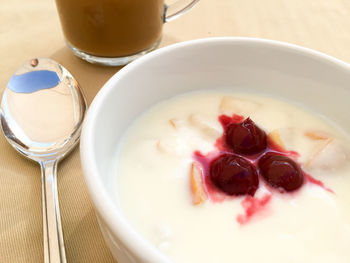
31, 29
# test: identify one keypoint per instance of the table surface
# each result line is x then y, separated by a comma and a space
31, 29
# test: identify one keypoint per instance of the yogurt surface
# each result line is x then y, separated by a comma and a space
311, 224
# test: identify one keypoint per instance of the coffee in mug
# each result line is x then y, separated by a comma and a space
114, 32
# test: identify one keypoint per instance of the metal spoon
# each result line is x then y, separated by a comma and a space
42, 109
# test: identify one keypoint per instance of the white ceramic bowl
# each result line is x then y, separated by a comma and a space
318, 81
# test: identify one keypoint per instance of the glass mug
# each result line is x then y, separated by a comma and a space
115, 32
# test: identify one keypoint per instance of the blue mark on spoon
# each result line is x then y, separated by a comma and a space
33, 81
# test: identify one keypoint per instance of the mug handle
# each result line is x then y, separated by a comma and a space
177, 9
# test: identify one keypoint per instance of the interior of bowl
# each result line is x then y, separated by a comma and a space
310, 79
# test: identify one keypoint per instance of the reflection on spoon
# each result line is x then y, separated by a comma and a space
42, 110
33, 81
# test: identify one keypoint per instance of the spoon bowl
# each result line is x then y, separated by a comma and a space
42, 110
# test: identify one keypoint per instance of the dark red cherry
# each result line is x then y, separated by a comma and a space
234, 175
245, 137
281, 172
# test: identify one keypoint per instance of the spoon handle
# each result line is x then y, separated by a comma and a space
53, 237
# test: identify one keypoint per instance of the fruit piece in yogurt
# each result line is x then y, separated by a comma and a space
284, 139
197, 184
176, 123
202, 124
234, 175
241, 136
280, 172
231, 105
328, 154
245, 138
317, 135
275, 137
164, 146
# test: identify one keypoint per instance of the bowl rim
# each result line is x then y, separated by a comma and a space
133, 241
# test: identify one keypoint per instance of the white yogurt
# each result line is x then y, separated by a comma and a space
153, 181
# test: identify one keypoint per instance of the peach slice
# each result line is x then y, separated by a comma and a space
161, 147
197, 184
175, 123
328, 154
284, 137
204, 125
317, 135
165, 146
276, 138
231, 105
